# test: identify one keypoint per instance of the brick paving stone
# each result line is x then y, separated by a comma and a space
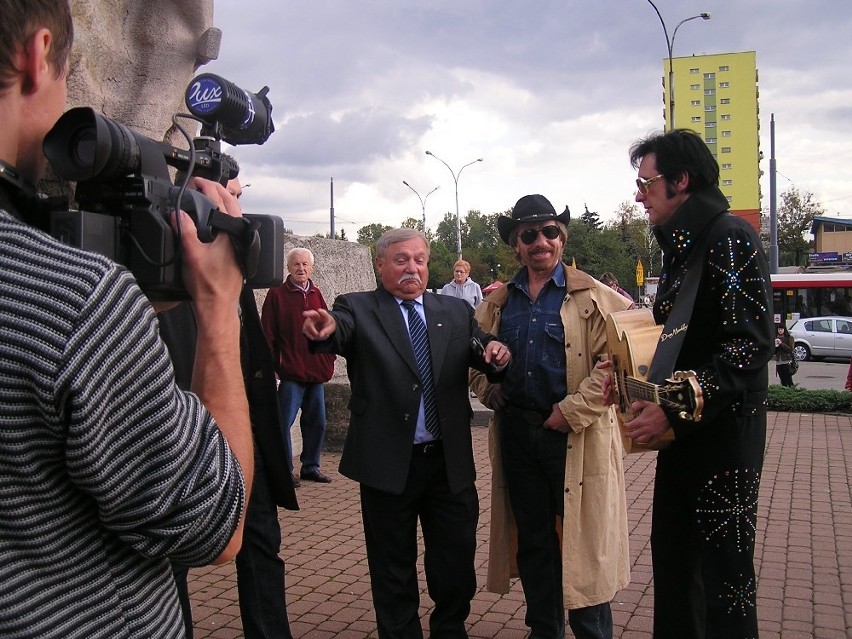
803, 552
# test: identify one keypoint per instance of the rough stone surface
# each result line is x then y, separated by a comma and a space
133, 60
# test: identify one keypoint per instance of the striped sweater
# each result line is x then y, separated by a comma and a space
107, 470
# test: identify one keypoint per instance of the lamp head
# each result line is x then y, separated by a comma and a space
705, 15
406, 184
428, 152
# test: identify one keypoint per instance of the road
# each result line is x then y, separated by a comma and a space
828, 374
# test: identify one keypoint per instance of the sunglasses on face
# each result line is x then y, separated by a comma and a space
529, 236
644, 185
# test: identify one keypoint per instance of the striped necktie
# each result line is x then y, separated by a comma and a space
420, 342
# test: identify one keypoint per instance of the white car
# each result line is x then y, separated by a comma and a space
818, 337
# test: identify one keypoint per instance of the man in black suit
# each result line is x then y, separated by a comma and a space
409, 441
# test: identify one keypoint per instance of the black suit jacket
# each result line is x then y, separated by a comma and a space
371, 334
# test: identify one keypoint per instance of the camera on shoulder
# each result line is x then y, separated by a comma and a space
125, 196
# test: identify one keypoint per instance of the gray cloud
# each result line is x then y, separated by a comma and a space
543, 89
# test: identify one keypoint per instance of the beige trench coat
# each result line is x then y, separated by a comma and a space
594, 544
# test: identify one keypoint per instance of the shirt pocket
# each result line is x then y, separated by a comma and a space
553, 349
509, 337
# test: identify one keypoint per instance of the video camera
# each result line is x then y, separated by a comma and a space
125, 196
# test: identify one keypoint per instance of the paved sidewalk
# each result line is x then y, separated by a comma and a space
804, 552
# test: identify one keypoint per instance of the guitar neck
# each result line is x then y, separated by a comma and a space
636, 389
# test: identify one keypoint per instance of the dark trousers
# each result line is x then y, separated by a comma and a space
785, 374
448, 522
702, 545
534, 468
260, 569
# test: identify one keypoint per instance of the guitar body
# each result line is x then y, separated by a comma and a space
632, 338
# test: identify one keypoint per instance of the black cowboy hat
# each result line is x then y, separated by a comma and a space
530, 208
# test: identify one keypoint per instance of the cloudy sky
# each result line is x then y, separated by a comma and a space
550, 93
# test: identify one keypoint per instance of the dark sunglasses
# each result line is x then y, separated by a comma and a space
644, 185
529, 236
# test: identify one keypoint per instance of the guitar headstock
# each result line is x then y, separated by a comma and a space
682, 393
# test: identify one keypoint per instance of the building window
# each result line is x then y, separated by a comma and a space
710, 140
729, 198
710, 107
694, 87
724, 85
725, 101
709, 76
725, 116
694, 70
695, 103
724, 67
709, 91
710, 125
726, 149
696, 118
726, 166
727, 182
726, 134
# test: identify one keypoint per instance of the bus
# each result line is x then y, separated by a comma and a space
796, 295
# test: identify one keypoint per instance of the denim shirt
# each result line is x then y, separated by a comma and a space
533, 330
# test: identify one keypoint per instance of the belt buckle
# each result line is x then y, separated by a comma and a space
429, 449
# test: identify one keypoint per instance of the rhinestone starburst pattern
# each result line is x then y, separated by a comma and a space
733, 264
727, 508
740, 596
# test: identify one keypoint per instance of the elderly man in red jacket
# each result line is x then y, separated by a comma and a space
301, 374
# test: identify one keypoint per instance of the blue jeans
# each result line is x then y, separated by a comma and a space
310, 397
594, 622
260, 569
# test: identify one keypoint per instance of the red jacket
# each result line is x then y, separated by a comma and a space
282, 324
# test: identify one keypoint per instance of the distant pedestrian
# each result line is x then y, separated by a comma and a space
610, 280
784, 355
462, 285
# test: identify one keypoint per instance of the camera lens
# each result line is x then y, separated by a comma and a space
83, 144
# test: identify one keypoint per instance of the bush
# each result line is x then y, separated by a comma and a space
786, 399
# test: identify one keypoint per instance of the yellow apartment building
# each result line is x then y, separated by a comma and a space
717, 96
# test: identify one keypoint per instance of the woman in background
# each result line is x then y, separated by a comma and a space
784, 355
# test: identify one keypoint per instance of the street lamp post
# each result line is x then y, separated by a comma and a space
456, 177
704, 15
422, 201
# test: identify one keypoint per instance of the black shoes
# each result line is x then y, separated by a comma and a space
296, 482
316, 476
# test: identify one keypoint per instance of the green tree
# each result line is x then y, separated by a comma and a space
370, 234
445, 232
590, 218
441, 260
598, 251
412, 223
795, 217
639, 242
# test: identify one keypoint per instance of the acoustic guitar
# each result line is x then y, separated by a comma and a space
632, 338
